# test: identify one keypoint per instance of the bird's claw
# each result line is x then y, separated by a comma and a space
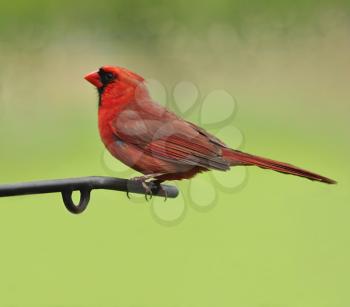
150, 185
161, 189
148, 191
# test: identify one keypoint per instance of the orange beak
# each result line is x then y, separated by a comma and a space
94, 78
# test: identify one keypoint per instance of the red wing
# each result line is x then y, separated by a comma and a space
211, 137
167, 137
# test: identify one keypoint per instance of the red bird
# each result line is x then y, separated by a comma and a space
156, 142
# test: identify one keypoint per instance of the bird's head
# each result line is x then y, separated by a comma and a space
115, 82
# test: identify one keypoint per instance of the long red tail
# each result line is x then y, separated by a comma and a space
240, 158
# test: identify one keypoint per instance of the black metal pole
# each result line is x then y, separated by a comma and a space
85, 185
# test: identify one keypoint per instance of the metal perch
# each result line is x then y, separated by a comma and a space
84, 185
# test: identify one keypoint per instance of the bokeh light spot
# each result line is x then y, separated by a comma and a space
185, 95
218, 106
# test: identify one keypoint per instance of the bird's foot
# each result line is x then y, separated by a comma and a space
159, 189
145, 178
149, 185
148, 190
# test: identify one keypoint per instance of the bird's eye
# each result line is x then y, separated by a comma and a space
106, 77
109, 76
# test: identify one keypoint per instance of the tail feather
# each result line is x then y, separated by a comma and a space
240, 158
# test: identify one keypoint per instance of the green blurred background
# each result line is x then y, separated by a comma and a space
277, 241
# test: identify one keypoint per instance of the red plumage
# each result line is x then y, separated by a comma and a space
154, 141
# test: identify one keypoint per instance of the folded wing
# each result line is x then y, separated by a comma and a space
163, 135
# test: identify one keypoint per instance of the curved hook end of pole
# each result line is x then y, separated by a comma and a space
83, 202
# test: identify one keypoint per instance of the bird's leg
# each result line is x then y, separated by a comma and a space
143, 180
147, 181
146, 178
157, 182
148, 190
159, 188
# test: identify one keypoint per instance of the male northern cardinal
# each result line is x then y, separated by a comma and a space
156, 142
